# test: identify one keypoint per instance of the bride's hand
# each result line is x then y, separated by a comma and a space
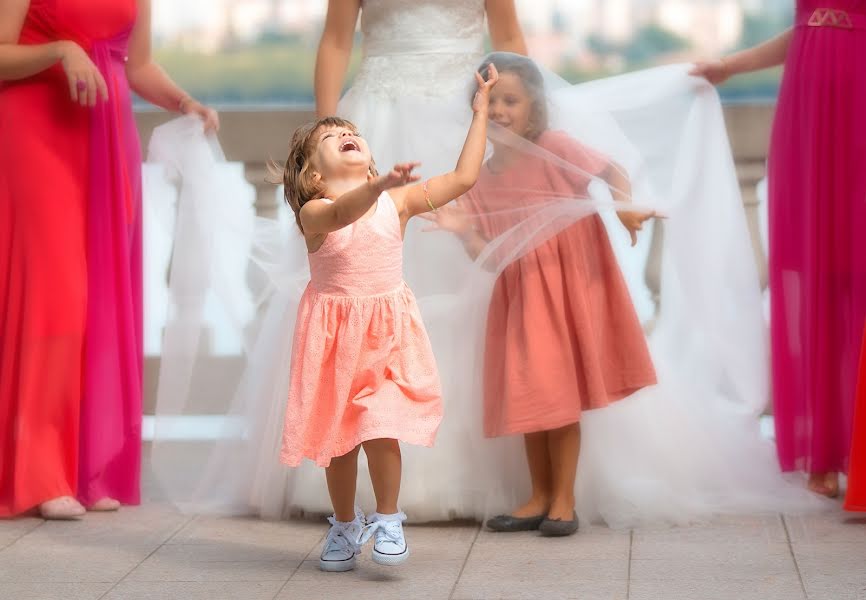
482, 96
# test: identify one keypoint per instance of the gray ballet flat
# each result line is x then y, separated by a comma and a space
508, 523
558, 527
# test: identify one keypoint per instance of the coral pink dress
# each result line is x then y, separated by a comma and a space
562, 332
70, 270
817, 186
362, 365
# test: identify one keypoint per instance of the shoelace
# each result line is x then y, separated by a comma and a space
337, 539
391, 528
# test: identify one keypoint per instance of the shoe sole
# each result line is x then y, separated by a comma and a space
390, 560
337, 566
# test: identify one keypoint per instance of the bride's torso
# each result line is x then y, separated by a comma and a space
419, 48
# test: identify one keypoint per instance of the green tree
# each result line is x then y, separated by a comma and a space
652, 41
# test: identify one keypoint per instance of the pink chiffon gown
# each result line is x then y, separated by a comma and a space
817, 184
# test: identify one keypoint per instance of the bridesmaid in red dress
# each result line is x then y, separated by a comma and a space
70, 250
817, 187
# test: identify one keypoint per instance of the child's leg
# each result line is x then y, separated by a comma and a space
538, 458
342, 476
386, 465
564, 449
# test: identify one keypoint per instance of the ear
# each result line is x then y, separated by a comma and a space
317, 177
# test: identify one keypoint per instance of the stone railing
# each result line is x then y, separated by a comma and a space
251, 137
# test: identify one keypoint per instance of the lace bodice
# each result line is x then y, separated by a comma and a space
416, 48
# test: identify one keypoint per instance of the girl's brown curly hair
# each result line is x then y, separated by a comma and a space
298, 175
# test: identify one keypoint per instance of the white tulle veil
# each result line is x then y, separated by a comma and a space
685, 448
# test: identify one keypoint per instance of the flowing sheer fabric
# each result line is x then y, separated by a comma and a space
684, 448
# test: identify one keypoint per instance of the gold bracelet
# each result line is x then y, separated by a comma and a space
427, 197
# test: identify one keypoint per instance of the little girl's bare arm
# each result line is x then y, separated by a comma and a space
442, 189
620, 189
318, 216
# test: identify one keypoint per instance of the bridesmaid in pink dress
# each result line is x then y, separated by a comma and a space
70, 250
817, 184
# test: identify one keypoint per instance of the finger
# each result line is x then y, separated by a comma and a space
413, 178
81, 86
82, 89
210, 123
492, 75
633, 234
479, 79
102, 86
73, 86
91, 89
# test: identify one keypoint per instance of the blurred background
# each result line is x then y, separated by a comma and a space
262, 52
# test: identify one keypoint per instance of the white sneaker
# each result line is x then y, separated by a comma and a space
341, 548
389, 546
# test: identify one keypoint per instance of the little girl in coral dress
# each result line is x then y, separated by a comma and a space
562, 333
363, 372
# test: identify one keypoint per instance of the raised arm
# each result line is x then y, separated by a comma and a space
769, 54
150, 82
332, 59
505, 31
440, 190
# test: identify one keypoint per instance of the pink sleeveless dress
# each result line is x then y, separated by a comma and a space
362, 365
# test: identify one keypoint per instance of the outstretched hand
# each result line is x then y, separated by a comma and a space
399, 176
482, 96
633, 222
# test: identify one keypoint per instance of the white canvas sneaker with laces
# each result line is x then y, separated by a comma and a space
389, 543
341, 545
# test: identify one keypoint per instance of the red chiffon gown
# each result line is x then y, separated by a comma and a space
70, 271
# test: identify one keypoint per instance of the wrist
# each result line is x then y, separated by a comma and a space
184, 103
376, 186
59, 50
